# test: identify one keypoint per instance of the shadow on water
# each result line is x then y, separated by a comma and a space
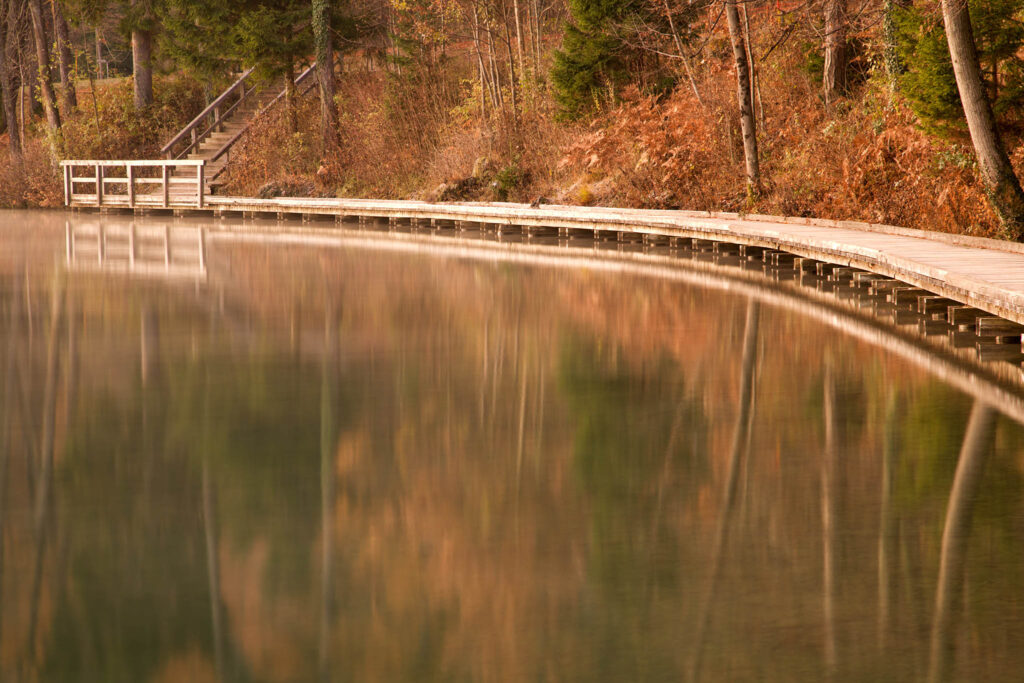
433, 460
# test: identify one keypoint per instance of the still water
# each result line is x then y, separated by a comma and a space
291, 462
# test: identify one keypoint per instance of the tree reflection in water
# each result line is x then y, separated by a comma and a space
330, 464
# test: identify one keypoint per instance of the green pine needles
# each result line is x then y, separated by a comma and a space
611, 43
928, 81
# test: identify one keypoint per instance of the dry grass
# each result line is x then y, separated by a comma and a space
863, 158
31, 181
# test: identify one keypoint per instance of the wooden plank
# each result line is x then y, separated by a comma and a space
805, 265
166, 186
140, 162
200, 186
930, 304
963, 315
131, 185
992, 326
67, 184
902, 296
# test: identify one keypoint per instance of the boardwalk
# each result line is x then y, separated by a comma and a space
949, 270
981, 273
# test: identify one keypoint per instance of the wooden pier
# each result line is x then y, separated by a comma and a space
973, 273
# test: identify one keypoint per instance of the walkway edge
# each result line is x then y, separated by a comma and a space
984, 273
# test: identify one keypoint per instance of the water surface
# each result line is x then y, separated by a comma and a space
287, 462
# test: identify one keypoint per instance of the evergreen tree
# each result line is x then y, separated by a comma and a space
598, 54
213, 37
929, 83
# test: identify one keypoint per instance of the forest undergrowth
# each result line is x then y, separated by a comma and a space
864, 157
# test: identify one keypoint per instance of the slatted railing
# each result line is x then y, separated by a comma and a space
144, 183
212, 118
304, 82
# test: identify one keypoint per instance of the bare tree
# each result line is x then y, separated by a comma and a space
53, 121
834, 78
1001, 184
8, 84
743, 91
68, 97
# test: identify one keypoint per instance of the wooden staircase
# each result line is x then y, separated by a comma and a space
211, 135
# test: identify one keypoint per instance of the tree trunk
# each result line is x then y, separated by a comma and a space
68, 97
743, 91
142, 67
835, 50
45, 84
519, 39
8, 85
890, 55
99, 52
325, 74
484, 85
290, 98
1001, 184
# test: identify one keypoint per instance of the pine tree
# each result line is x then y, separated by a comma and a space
598, 54
928, 82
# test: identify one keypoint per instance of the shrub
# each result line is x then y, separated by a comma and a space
106, 125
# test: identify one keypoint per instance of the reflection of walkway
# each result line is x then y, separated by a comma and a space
144, 248
1000, 384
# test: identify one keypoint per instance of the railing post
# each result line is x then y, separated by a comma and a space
166, 185
200, 185
99, 184
67, 185
216, 120
130, 170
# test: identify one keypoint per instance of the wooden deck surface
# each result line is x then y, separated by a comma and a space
986, 274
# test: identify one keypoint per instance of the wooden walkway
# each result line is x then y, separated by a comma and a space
962, 278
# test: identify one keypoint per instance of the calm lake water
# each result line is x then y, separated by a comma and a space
386, 461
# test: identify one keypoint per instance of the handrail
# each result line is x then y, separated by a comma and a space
234, 138
162, 198
223, 116
206, 112
133, 162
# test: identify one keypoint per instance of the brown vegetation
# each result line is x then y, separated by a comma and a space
444, 128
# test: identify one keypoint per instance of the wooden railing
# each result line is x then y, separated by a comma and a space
300, 81
144, 183
214, 113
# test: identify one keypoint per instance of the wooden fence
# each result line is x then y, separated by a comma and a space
157, 184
